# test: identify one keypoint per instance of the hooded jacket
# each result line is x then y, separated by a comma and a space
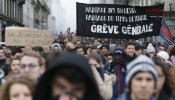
43, 89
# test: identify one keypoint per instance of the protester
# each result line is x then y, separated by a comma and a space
141, 80
138, 49
15, 66
150, 50
130, 52
31, 64
105, 82
80, 50
164, 58
162, 83
161, 48
3, 66
18, 88
69, 77
118, 67
56, 49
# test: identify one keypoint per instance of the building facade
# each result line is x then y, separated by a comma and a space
41, 12
169, 10
28, 13
122, 2
11, 14
169, 14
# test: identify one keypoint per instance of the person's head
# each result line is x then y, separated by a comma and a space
130, 49
15, 65
2, 55
95, 60
161, 48
150, 50
141, 78
99, 48
56, 48
138, 49
18, 88
105, 51
80, 50
163, 55
70, 78
31, 64
162, 72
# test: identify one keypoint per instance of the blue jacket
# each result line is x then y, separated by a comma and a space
119, 86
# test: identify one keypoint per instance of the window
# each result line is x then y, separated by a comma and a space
12, 9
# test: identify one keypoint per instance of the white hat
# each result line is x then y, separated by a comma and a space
150, 48
163, 55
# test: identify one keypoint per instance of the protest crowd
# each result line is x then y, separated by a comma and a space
81, 68
106, 58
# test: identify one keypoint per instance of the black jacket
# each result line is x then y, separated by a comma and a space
43, 89
129, 58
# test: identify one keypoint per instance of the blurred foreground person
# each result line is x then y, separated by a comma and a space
32, 64
141, 80
69, 77
162, 83
18, 88
105, 81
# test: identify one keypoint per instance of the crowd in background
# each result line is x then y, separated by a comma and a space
88, 69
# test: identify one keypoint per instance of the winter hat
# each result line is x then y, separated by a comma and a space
150, 48
163, 55
140, 64
56, 44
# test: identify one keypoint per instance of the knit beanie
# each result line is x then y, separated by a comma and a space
140, 64
150, 48
163, 55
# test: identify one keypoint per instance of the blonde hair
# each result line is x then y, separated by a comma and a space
96, 57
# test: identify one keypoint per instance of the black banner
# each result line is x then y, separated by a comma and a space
118, 21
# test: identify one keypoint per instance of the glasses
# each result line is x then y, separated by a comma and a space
23, 66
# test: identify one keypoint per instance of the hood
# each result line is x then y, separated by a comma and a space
56, 44
150, 48
43, 90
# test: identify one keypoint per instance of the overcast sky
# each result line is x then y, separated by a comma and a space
65, 14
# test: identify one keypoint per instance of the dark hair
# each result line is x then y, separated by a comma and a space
172, 52
157, 61
1, 48
165, 70
71, 74
16, 50
129, 43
